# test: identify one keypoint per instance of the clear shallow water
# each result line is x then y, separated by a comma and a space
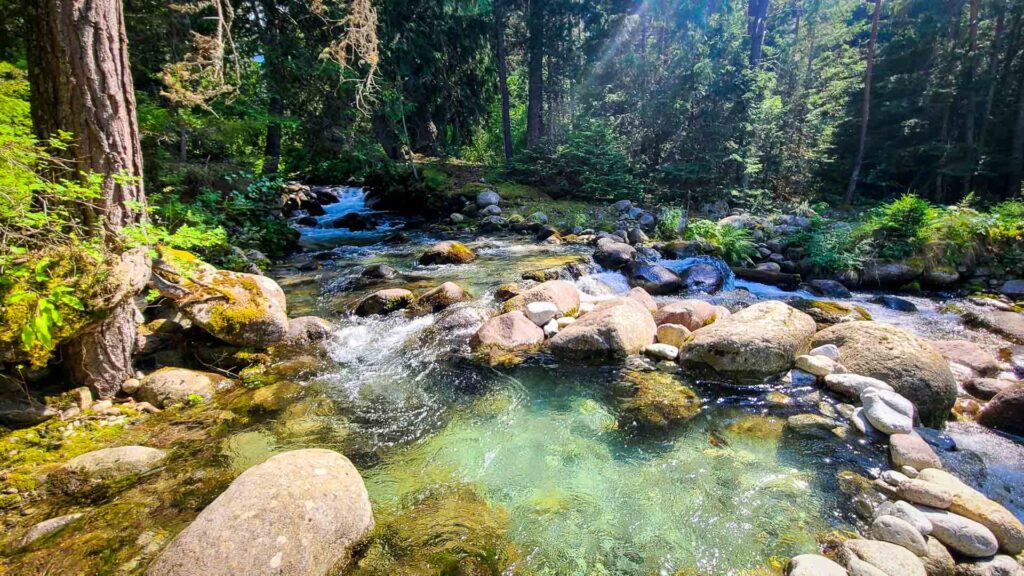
585, 492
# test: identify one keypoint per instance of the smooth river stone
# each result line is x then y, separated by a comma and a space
912, 450
938, 561
900, 532
926, 493
970, 503
1000, 565
853, 385
962, 535
908, 513
883, 415
830, 351
814, 565
891, 559
820, 366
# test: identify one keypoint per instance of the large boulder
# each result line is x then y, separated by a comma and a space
299, 513
106, 467
890, 559
447, 252
1005, 411
693, 314
1010, 325
756, 342
893, 355
511, 331
659, 400
970, 503
240, 309
614, 330
169, 386
653, 278
613, 255
561, 293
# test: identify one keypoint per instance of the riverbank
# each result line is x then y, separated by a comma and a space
544, 467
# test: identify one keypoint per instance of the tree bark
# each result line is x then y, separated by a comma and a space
81, 83
851, 188
273, 75
506, 118
272, 146
535, 73
972, 99
1017, 154
757, 13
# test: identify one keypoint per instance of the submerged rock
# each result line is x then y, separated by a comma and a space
702, 278
659, 400
653, 278
298, 513
907, 363
759, 341
895, 303
447, 252
614, 330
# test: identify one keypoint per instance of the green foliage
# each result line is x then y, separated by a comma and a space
833, 247
590, 165
899, 228
668, 224
734, 244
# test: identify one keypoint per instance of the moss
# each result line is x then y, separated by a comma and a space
826, 313
458, 252
448, 531
757, 426
659, 399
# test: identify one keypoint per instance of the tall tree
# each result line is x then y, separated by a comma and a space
81, 84
972, 98
851, 188
757, 15
535, 72
1017, 153
499, 41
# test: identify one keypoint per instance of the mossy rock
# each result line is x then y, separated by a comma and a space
757, 426
447, 252
450, 530
659, 400
827, 313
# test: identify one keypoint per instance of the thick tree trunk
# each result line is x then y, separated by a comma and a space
972, 99
506, 118
535, 73
1017, 154
272, 147
993, 81
81, 83
757, 27
851, 188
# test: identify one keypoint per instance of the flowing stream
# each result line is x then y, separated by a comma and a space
585, 493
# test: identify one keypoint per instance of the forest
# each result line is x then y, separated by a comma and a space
495, 287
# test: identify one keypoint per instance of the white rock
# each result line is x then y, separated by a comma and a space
820, 366
883, 416
853, 384
814, 565
565, 321
894, 478
910, 471
47, 527
540, 313
830, 351
585, 307
893, 400
906, 511
861, 423
551, 328
661, 351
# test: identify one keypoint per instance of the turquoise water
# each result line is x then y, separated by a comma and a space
586, 492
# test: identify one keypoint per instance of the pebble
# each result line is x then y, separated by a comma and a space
820, 366
661, 351
551, 328
540, 313
830, 351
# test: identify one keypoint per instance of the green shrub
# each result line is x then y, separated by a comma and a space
899, 228
735, 244
833, 247
668, 224
591, 164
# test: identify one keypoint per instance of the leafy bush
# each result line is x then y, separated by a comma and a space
833, 247
899, 228
592, 164
668, 224
735, 244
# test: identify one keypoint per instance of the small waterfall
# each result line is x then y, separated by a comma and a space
680, 266
350, 200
